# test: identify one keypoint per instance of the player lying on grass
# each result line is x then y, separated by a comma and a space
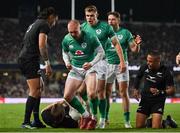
60, 114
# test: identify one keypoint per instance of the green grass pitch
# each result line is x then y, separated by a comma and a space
11, 117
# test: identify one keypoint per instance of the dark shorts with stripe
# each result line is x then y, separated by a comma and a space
29, 68
150, 106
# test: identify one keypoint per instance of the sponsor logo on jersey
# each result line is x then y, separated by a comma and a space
84, 45
79, 52
120, 37
98, 31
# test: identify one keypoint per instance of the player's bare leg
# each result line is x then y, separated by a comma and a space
156, 120
71, 86
92, 95
82, 92
102, 102
34, 94
108, 95
140, 120
123, 91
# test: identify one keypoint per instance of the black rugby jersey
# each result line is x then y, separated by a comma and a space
159, 79
30, 44
66, 122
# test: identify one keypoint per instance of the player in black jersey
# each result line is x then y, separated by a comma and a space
58, 115
34, 47
157, 84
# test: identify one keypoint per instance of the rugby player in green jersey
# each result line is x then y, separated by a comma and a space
127, 41
108, 39
81, 51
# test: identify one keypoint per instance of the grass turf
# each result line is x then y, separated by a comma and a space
11, 117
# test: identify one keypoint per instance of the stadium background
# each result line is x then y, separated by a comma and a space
156, 21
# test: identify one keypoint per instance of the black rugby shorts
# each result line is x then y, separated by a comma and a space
29, 68
147, 106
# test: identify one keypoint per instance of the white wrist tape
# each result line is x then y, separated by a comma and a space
47, 62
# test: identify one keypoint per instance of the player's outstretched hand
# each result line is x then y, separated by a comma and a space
138, 39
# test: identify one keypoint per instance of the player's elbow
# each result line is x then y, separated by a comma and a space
171, 91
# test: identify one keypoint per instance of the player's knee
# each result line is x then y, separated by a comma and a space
123, 93
108, 93
92, 94
140, 125
101, 90
101, 95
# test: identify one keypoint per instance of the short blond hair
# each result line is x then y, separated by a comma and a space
91, 8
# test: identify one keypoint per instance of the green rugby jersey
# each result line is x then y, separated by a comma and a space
125, 38
81, 50
103, 31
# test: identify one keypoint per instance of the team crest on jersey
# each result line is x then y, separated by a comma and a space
120, 37
79, 52
83, 45
71, 46
98, 31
